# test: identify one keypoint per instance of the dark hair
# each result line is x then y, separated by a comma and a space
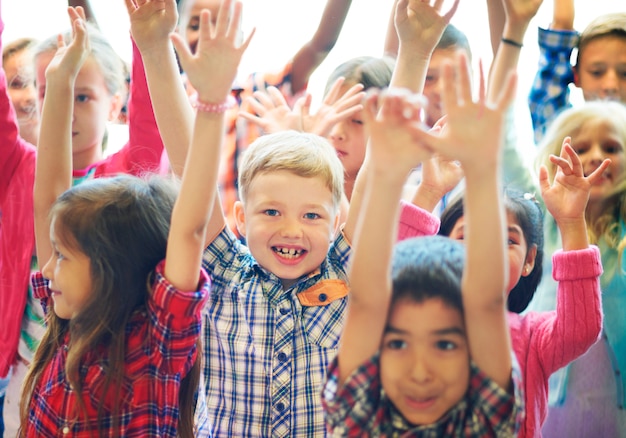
529, 216
453, 37
121, 224
369, 71
428, 267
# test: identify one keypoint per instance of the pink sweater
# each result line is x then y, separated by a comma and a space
17, 171
543, 341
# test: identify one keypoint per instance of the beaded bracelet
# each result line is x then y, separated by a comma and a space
207, 107
512, 43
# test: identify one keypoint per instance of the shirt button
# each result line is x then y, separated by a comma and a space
66, 430
323, 297
282, 357
280, 407
284, 310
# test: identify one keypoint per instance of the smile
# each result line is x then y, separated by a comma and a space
288, 253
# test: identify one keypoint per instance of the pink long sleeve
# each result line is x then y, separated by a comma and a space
415, 221
17, 235
546, 341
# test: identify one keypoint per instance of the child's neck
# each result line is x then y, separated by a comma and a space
85, 158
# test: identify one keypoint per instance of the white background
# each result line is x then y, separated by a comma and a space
283, 26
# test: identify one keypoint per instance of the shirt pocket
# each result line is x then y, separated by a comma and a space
323, 324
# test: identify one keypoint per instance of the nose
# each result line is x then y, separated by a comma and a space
47, 270
291, 229
610, 83
421, 369
338, 133
595, 154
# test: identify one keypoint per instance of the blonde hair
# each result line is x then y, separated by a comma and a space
613, 24
603, 228
303, 154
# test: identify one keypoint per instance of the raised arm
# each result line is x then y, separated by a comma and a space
151, 24
211, 71
473, 135
393, 154
86, 5
563, 14
313, 52
53, 172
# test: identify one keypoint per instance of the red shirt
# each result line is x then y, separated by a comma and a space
161, 349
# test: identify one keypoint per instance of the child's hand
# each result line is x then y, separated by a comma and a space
151, 22
566, 198
521, 11
212, 69
69, 59
391, 119
420, 24
473, 131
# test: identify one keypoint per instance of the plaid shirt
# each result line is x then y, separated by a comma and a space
160, 351
360, 408
267, 349
549, 93
240, 133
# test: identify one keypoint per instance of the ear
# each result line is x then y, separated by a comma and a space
529, 263
240, 218
117, 103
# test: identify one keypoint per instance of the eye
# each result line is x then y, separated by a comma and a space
396, 344
271, 212
312, 216
446, 345
82, 98
57, 255
357, 121
612, 148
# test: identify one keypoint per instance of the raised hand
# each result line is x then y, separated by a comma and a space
69, 59
473, 131
151, 22
212, 69
392, 118
566, 198
420, 23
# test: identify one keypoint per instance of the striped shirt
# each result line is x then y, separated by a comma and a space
160, 351
549, 94
267, 349
360, 408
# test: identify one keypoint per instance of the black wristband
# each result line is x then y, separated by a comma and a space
512, 43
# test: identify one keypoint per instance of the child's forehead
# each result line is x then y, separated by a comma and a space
430, 315
287, 185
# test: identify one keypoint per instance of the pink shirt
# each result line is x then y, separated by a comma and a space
543, 341
17, 173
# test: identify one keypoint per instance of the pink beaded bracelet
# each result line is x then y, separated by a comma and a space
207, 107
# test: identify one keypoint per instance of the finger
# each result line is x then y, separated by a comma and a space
544, 182
463, 78
252, 118
264, 98
182, 50
370, 107
255, 106
344, 104
246, 43
223, 17
597, 174
562, 164
234, 26
333, 92
276, 96
507, 94
449, 92
130, 6
481, 83
448, 16
342, 115
573, 159
207, 31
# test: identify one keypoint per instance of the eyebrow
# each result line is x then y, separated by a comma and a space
441, 332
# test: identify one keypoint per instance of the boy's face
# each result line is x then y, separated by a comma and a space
601, 69
594, 142
288, 222
434, 83
424, 360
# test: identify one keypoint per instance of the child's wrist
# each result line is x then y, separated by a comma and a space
210, 106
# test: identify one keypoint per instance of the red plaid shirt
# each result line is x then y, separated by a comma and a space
160, 351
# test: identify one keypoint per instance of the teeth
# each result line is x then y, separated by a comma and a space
288, 252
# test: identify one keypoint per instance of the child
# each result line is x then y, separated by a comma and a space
587, 398
417, 356
113, 365
598, 70
20, 312
276, 307
17, 64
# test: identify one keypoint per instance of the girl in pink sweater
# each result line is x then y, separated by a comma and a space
543, 341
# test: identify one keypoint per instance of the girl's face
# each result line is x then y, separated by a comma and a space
21, 82
69, 275
521, 259
597, 140
94, 106
424, 359
349, 140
